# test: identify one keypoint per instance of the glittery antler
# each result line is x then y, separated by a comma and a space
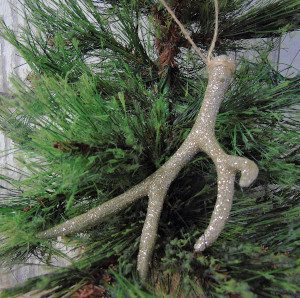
201, 138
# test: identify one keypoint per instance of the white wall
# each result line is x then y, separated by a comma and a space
289, 54
11, 63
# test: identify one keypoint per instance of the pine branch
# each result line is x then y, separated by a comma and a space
89, 135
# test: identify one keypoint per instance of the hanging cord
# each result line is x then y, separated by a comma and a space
214, 40
184, 31
200, 52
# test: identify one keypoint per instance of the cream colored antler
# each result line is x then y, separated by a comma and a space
201, 138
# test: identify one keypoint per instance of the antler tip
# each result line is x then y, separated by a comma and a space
249, 174
200, 245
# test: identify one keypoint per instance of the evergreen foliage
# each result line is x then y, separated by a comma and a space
103, 109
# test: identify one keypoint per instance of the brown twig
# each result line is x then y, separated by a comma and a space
200, 52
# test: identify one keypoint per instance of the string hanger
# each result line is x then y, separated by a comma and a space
200, 52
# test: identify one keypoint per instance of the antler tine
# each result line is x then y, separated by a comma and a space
98, 214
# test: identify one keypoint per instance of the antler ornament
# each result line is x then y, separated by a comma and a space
201, 138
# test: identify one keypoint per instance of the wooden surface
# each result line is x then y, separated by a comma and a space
11, 62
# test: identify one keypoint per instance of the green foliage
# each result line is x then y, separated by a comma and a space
240, 20
126, 288
98, 117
